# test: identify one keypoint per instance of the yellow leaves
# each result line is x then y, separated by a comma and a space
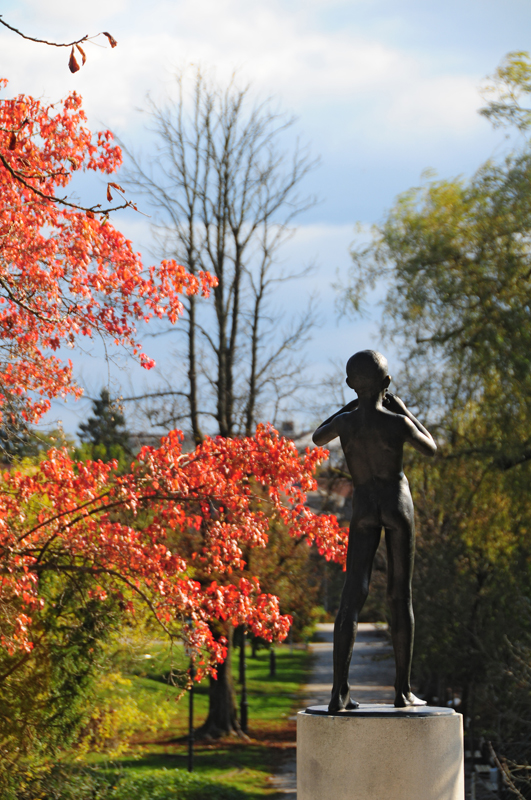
507, 105
121, 710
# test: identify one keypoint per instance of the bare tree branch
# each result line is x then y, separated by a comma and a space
96, 209
225, 194
43, 41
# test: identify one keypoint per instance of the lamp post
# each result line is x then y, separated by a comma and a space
243, 698
191, 706
191, 718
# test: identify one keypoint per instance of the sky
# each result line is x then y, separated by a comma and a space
382, 91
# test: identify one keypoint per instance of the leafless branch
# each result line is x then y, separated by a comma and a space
96, 209
225, 193
43, 41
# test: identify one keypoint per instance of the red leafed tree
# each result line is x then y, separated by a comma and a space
64, 271
63, 517
173, 531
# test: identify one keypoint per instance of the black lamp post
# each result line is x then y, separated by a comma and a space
191, 719
243, 698
191, 708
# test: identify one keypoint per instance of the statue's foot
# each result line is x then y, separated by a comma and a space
341, 701
350, 704
405, 699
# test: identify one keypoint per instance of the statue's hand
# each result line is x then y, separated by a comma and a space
393, 403
388, 400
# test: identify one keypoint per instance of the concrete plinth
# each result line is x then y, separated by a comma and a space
379, 752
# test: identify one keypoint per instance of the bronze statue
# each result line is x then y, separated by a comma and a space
373, 429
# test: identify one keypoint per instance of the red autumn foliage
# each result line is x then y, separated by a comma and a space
65, 274
63, 516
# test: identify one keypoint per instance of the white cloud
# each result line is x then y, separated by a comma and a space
356, 80
437, 104
63, 17
365, 97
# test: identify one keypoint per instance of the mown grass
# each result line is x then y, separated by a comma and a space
155, 767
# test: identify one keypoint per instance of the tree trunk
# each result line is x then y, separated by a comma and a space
192, 372
251, 399
222, 719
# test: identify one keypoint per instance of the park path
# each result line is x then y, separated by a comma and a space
372, 673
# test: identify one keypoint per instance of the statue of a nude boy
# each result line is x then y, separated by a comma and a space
373, 429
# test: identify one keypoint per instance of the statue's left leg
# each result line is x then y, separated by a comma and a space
400, 541
363, 543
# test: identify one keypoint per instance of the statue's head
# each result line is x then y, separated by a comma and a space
367, 372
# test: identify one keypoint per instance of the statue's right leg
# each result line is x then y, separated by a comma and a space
362, 546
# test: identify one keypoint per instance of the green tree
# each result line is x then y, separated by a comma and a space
455, 258
45, 692
506, 92
472, 590
17, 443
104, 435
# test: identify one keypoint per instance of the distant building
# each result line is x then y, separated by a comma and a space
143, 439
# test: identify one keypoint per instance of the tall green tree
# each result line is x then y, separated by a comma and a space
45, 692
455, 258
104, 435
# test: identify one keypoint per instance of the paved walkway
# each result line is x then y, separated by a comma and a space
372, 674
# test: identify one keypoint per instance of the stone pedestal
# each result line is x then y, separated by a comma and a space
379, 752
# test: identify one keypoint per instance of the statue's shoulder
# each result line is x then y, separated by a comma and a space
350, 423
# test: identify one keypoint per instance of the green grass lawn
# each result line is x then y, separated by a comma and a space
155, 768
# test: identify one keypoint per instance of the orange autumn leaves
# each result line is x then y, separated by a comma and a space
63, 273
69, 517
174, 530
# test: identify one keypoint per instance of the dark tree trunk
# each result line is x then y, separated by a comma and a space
272, 663
192, 372
251, 400
221, 354
233, 339
222, 717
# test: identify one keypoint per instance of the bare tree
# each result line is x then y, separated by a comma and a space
225, 194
